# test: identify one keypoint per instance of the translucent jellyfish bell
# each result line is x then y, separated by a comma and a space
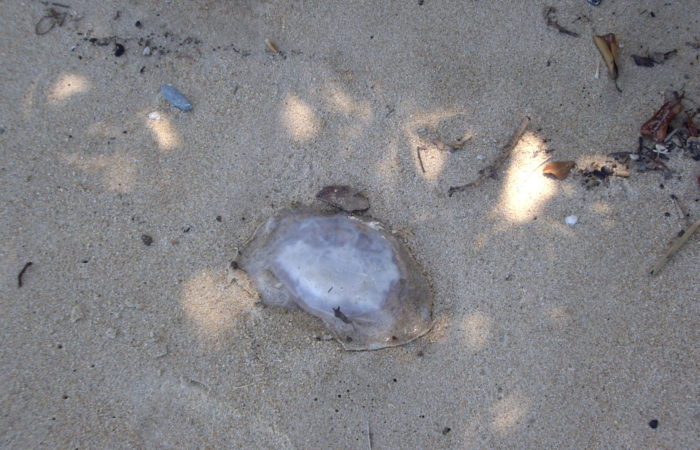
349, 272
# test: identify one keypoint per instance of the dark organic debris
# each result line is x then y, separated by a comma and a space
345, 198
596, 173
657, 127
147, 240
660, 137
50, 20
653, 58
21, 273
340, 315
643, 61
558, 169
550, 16
490, 171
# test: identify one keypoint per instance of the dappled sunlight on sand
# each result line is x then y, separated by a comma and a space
67, 85
118, 171
340, 101
509, 412
477, 329
299, 119
213, 300
164, 132
359, 112
525, 190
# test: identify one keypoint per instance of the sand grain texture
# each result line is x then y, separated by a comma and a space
546, 335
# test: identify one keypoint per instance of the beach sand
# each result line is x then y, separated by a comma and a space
546, 335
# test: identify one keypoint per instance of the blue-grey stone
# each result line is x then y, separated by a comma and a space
175, 97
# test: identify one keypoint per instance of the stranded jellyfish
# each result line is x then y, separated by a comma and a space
348, 271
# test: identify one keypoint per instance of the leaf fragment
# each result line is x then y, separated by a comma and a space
610, 51
657, 127
558, 169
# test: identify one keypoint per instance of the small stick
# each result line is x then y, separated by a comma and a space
550, 18
674, 248
21, 273
420, 159
490, 171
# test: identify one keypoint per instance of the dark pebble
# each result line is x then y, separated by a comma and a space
119, 50
138, 24
653, 423
218, 218
446, 430
146, 239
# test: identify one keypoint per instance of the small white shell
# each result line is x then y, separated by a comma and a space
571, 220
347, 271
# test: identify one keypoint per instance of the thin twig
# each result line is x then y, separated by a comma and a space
674, 248
420, 159
490, 171
21, 273
550, 18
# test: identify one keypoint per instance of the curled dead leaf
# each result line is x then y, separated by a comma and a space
609, 50
558, 169
657, 127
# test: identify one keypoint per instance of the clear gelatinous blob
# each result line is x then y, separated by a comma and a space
348, 271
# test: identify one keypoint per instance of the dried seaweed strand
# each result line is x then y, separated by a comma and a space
490, 171
674, 248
